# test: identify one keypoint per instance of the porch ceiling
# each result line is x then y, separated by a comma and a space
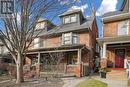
119, 39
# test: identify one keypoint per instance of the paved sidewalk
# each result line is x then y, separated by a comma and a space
72, 81
112, 83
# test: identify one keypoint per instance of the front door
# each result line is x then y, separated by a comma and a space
119, 58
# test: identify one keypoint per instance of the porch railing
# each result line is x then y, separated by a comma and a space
127, 66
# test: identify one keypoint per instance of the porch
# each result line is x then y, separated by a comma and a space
113, 51
60, 61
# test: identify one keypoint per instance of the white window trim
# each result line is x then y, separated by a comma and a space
69, 19
71, 39
127, 27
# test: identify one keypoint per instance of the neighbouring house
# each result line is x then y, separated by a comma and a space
74, 41
115, 40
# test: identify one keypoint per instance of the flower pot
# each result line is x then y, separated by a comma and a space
103, 74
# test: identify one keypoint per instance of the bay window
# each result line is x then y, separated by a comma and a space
69, 38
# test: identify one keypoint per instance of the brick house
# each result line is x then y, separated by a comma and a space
75, 37
115, 41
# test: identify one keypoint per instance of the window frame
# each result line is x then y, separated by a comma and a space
71, 37
120, 27
75, 18
70, 20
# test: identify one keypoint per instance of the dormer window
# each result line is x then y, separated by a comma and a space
73, 18
70, 19
66, 20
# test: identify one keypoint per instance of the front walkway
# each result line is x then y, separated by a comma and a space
112, 83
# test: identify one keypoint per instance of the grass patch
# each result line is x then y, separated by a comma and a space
92, 83
128, 83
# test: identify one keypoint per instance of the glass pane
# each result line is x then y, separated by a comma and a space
73, 18
75, 40
67, 20
123, 28
41, 42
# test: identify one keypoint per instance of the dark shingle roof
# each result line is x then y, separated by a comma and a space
69, 27
113, 13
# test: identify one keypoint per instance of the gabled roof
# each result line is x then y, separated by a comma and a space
85, 25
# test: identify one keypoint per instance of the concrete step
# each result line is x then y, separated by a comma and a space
117, 74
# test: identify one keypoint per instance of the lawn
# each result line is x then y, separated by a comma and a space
92, 83
128, 83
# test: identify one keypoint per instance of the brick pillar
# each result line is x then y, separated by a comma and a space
78, 70
103, 62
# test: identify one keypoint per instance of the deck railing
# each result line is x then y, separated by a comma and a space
127, 66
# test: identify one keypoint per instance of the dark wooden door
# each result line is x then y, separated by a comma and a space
119, 58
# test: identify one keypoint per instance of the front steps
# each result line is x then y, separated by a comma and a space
117, 74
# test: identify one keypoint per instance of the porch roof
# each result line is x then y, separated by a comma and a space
59, 49
118, 39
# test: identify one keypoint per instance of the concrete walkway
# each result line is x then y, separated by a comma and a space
72, 81
112, 83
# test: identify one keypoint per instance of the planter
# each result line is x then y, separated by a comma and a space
103, 74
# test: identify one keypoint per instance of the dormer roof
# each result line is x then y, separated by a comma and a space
71, 11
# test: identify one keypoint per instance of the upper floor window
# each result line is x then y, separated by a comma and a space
38, 42
69, 38
69, 19
123, 27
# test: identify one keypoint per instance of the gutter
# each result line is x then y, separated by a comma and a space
113, 16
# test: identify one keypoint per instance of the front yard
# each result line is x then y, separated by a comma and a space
33, 82
92, 83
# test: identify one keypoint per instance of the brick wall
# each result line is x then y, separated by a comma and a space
111, 29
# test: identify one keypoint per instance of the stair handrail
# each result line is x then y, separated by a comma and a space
127, 66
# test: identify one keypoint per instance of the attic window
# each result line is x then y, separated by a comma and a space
67, 20
73, 18
70, 19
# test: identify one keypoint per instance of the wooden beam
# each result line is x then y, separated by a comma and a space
53, 51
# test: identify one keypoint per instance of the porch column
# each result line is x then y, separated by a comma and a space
103, 61
78, 69
38, 66
104, 50
79, 56
38, 58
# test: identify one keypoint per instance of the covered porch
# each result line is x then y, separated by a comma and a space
65, 60
114, 51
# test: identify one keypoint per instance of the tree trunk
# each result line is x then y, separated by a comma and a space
19, 66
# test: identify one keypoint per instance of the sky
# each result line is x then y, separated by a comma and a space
100, 6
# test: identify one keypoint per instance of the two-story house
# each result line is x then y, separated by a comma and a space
115, 40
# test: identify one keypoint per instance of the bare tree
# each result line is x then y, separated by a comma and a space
19, 28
